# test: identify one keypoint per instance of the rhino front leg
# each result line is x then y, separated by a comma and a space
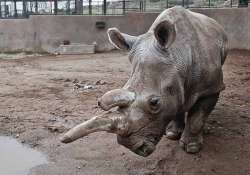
192, 137
176, 127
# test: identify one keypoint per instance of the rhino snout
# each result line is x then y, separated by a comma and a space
143, 146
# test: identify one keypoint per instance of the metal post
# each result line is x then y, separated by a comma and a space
123, 6
79, 6
55, 7
24, 8
231, 3
144, 5
0, 9
36, 7
209, 3
68, 7
104, 7
15, 10
90, 7
141, 6
76, 7
5, 14
167, 4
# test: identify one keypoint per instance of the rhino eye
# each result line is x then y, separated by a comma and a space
154, 104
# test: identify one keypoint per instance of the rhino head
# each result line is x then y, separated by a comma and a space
139, 112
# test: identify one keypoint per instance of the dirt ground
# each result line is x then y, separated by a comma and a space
42, 96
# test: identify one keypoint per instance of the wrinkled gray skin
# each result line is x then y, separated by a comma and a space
175, 82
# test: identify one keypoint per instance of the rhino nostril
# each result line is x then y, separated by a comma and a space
98, 103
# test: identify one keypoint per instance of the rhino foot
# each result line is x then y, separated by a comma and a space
191, 145
174, 130
172, 135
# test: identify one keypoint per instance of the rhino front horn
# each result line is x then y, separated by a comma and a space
110, 122
116, 97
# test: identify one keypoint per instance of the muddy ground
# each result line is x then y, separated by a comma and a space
43, 96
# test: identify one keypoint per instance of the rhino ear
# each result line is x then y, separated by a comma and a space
120, 40
165, 33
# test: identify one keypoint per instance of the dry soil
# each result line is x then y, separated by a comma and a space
42, 96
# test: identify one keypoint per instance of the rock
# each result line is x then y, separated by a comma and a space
75, 80
84, 163
77, 86
56, 128
22, 141
83, 86
67, 80
207, 130
52, 120
88, 87
100, 82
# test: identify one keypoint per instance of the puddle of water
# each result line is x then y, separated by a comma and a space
17, 159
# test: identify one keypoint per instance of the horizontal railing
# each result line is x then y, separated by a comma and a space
24, 8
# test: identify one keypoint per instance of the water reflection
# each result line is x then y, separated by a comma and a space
17, 159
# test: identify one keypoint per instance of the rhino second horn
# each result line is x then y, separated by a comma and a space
116, 97
110, 122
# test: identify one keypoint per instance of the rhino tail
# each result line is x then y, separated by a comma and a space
224, 49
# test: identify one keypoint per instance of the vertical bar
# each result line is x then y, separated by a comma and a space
183, 3
90, 7
0, 9
144, 5
123, 6
79, 7
36, 7
15, 10
140, 6
231, 3
68, 7
104, 7
167, 4
24, 8
55, 7
209, 4
76, 7
5, 15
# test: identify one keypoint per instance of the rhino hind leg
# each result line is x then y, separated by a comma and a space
192, 137
176, 127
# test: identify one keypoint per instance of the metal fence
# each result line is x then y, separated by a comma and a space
24, 8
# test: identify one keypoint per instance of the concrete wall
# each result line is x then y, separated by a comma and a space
236, 23
45, 33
